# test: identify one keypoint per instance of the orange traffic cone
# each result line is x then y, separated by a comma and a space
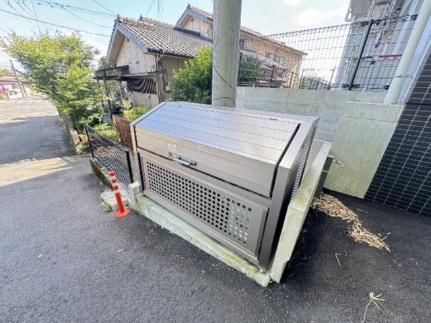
122, 210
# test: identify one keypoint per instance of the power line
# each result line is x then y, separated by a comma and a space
34, 11
86, 20
32, 8
23, 7
103, 7
150, 7
10, 5
52, 24
8, 2
53, 4
159, 9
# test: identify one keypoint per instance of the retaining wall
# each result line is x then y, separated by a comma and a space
358, 124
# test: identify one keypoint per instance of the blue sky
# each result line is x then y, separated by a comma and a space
267, 17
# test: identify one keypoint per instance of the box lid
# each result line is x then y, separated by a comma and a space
241, 147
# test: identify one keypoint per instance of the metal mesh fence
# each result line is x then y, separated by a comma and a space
111, 155
383, 49
360, 55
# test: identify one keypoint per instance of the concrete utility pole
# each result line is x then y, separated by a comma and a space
401, 73
227, 22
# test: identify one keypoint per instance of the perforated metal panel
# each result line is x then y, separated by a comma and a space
229, 216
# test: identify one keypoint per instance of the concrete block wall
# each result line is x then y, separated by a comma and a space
358, 123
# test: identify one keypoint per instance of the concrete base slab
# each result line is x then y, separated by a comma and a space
108, 197
174, 224
169, 221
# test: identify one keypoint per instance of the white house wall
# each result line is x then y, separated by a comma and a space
200, 26
139, 62
171, 64
146, 99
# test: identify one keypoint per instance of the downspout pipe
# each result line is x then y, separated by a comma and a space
401, 74
226, 35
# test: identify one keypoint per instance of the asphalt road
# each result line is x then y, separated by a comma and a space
30, 129
62, 259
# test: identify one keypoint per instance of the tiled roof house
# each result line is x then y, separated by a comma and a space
147, 51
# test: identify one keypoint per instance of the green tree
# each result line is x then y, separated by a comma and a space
59, 66
193, 82
5, 72
249, 70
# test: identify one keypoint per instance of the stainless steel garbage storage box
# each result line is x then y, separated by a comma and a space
228, 172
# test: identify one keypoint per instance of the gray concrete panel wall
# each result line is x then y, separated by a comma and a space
358, 123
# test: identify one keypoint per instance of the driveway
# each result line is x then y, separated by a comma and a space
62, 259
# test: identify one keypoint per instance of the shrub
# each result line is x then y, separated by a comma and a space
249, 70
193, 82
136, 112
107, 130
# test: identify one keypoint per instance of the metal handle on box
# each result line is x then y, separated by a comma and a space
184, 161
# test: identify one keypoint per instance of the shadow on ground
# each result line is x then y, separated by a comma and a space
33, 137
64, 259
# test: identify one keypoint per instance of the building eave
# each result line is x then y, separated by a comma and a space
114, 50
167, 53
190, 12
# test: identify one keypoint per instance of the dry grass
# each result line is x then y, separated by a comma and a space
335, 208
377, 300
363, 235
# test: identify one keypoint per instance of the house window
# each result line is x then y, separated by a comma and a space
241, 43
276, 58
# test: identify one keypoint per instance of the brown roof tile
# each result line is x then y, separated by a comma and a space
162, 37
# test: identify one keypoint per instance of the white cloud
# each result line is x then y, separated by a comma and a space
315, 17
292, 3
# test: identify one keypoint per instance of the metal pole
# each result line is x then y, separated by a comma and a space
239, 70
103, 101
401, 73
108, 98
89, 140
17, 79
330, 80
364, 44
227, 22
272, 75
129, 164
141, 171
